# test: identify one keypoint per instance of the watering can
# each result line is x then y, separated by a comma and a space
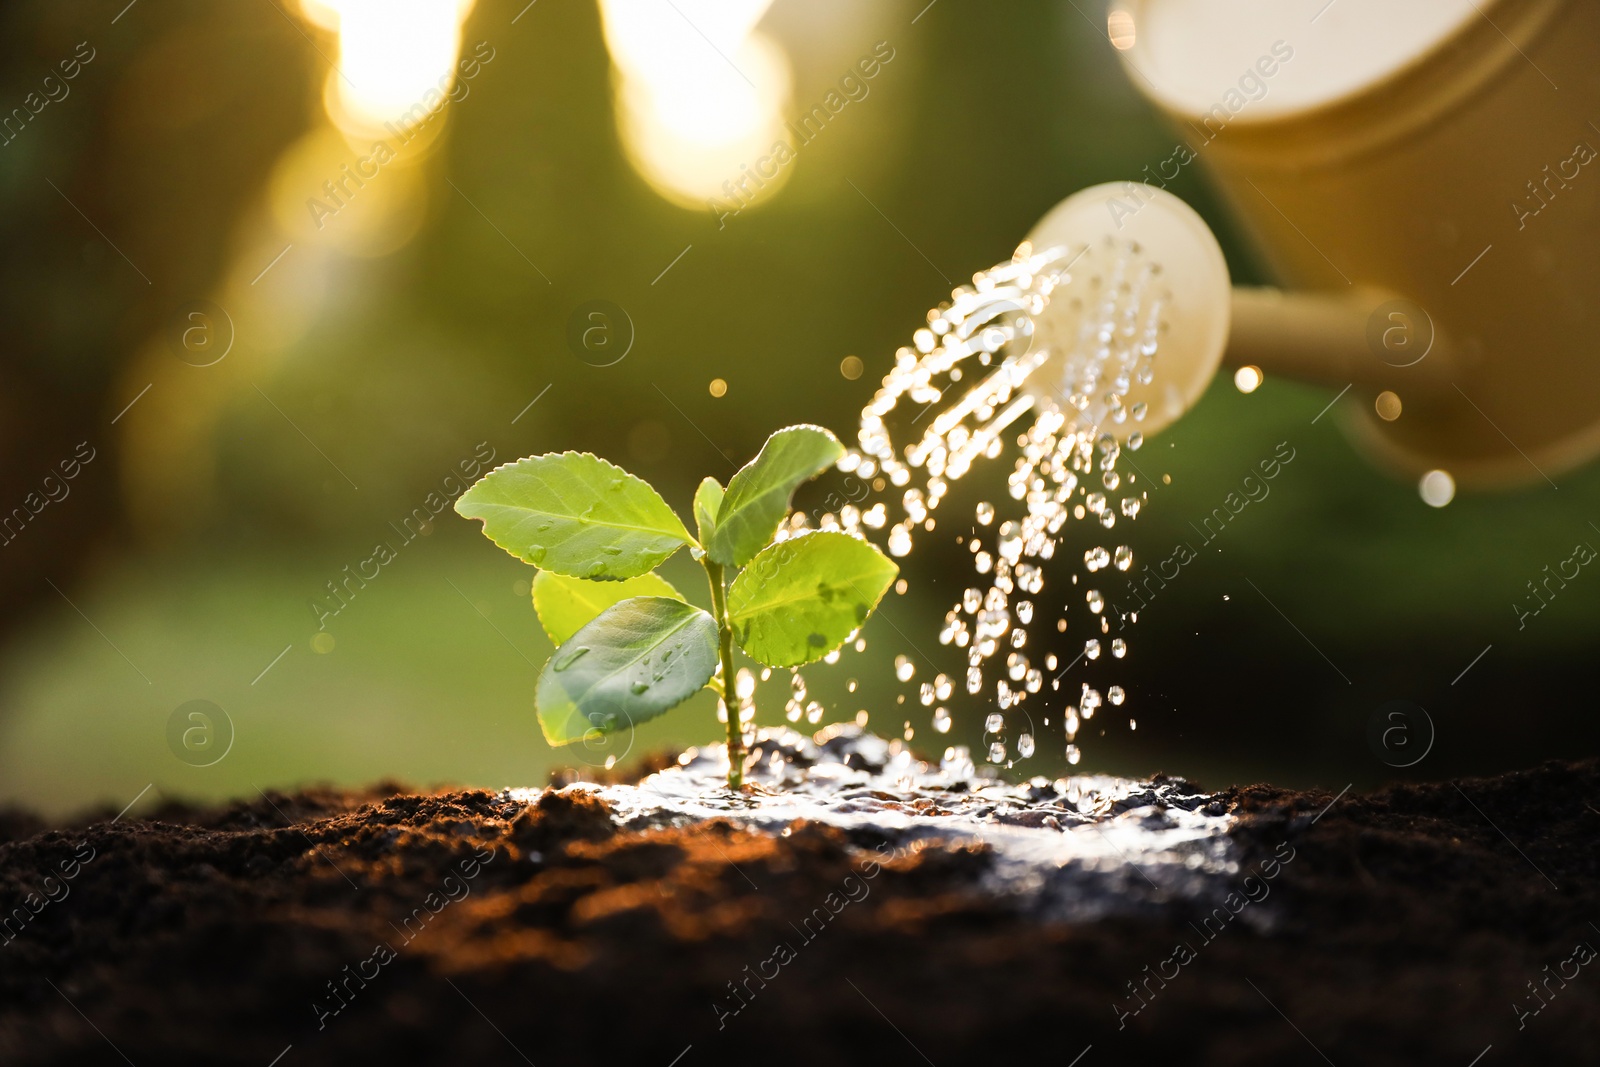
1422, 178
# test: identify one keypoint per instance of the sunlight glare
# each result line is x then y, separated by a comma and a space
395, 58
700, 93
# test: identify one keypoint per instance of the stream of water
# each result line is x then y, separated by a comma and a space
978, 378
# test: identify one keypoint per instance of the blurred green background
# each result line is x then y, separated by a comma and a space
373, 353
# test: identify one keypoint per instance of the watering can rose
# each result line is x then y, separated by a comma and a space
629, 646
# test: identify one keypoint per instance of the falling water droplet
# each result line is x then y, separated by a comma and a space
1066, 437
899, 541
795, 706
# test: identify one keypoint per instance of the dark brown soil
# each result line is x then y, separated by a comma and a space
1401, 927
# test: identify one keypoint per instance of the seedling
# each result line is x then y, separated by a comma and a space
629, 646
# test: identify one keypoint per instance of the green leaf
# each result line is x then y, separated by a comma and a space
758, 496
707, 499
636, 660
799, 599
565, 605
575, 514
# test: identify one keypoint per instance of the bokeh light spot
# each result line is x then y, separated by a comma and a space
1120, 28
1437, 488
1388, 405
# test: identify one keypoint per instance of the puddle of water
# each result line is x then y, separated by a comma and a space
1071, 849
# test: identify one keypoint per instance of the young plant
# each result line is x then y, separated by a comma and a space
629, 646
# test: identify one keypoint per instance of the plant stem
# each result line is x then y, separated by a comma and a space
730, 697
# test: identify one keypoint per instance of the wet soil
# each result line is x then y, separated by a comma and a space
1417, 925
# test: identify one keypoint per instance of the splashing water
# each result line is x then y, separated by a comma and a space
1063, 395
1072, 849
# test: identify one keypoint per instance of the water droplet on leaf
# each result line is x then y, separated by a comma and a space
567, 659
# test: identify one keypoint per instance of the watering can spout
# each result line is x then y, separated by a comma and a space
1363, 337
1366, 338
1426, 197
